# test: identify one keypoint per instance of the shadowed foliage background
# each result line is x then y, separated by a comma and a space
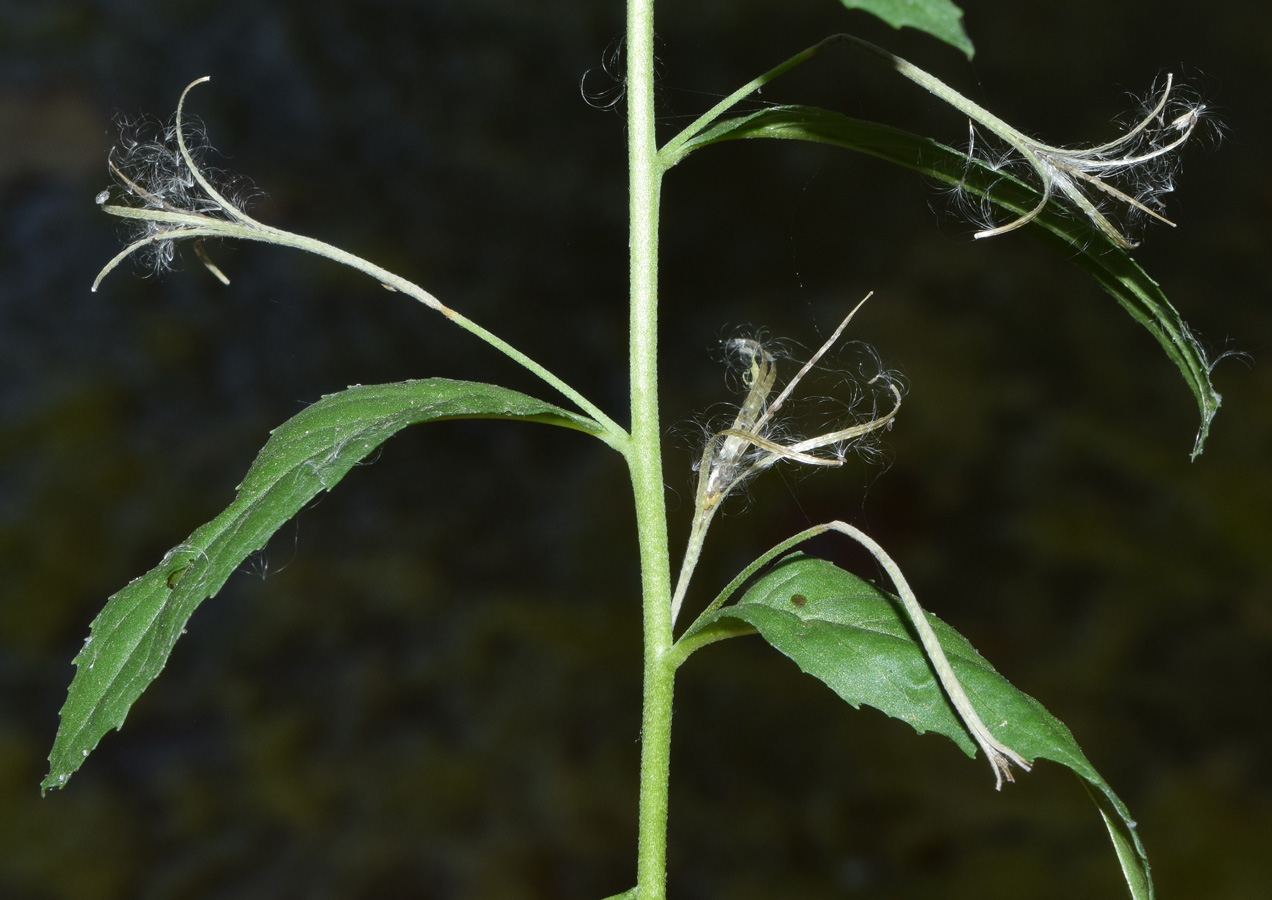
429, 686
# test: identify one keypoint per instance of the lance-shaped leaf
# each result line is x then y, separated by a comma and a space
130, 640
855, 638
939, 18
1074, 236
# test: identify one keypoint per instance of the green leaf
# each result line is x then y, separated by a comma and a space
939, 18
1075, 237
130, 640
855, 638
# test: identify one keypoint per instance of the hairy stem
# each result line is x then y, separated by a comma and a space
644, 453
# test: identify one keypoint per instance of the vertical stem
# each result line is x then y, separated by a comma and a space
644, 455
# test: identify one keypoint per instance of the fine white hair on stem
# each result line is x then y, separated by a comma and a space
160, 166
213, 215
1130, 174
611, 76
754, 441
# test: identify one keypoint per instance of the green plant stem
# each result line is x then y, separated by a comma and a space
644, 453
1058, 168
674, 150
192, 225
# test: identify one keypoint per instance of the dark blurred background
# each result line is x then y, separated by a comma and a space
429, 686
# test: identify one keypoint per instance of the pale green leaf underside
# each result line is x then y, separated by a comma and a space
130, 640
1092, 250
855, 638
939, 18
